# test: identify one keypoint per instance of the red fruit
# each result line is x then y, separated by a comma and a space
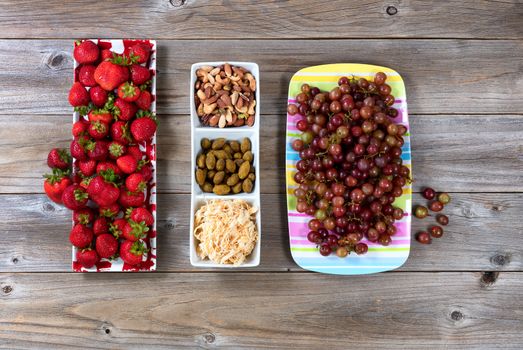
117, 227
58, 158
102, 188
132, 252
110, 211
108, 165
128, 92
81, 236
142, 215
100, 115
87, 167
78, 95
106, 245
98, 129
106, 54
100, 226
141, 50
83, 182
109, 75
87, 257
98, 150
127, 164
135, 152
134, 231
144, 100
55, 184
128, 199
135, 182
83, 216
74, 197
140, 74
143, 129
98, 96
120, 132
126, 110
147, 172
86, 75
86, 52
77, 148
79, 128
116, 149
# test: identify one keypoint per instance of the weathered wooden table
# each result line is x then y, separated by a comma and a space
462, 62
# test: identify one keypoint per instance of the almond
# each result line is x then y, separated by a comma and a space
207, 109
222, 121
227, 69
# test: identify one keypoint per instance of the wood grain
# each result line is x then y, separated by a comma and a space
443, 76
483, 234
211, 19
248, 311
470, 153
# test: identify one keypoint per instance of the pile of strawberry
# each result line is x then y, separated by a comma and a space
106, 187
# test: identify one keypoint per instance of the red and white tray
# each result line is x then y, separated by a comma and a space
149, 259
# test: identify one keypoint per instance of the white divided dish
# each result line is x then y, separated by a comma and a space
198, 197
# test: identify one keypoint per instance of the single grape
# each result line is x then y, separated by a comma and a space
379, 78
342, 252
436, 206
325, 249
421, 212
314, 237
436, 231
444, 198
361, 248
442, 219
423, 237
292, 109
428, 193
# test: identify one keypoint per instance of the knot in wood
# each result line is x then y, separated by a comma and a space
456, 315
15, 260
209, 338
177, 3
391, 10
169, 225
7, 289
48, 207
500, 259
489, 278
56, 60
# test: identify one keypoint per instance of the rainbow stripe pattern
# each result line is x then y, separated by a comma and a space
305, 253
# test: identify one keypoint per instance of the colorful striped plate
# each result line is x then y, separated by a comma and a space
305, 253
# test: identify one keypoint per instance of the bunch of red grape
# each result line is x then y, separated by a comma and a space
350, 170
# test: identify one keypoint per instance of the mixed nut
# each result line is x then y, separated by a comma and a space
225, 167
225, 96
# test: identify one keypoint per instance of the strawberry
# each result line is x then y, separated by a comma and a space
139, 74
105, 165
120, 132
103, 190
144, 100
128, 199
79, 128
87, 257
127, 164
77, 148
100, 115
86, 52
128, 92
141, 215
59, 158
117, 227
116, 149
135, 152
141, 50
84, 180
147, 172
100, 226
135, 182
98, 96
134, 231
81, 236
87, 167
98, 150
86, 75
78, 95
74, 197
132, 252
124, 110
109, 75
109, 211
143, 128
55, 184
98, 129
83, 216
107, 54
106, 245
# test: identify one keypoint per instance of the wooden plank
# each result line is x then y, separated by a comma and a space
484, 234
451, 152
443, 76
263, 19
251, 311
